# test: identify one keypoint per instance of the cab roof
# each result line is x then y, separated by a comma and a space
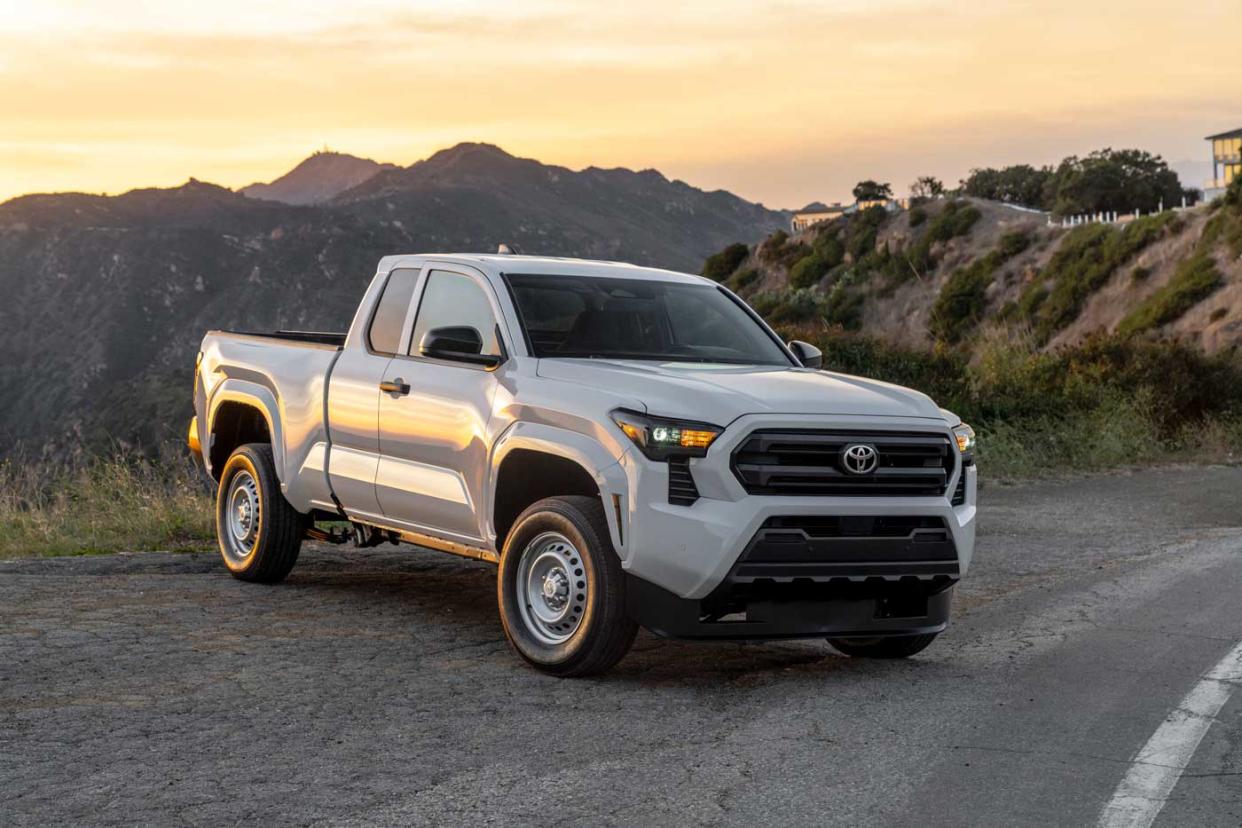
498, 264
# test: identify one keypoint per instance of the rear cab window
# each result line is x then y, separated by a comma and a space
384, 332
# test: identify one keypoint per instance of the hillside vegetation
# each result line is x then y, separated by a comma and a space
951, 270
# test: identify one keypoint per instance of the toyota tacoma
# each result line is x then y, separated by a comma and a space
631, 446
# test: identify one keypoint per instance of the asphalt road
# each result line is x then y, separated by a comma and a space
374, 687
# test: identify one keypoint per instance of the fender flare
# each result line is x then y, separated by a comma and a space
256, 396
590, 454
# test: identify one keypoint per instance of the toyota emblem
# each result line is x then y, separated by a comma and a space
860, 458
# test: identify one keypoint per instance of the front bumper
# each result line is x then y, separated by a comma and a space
864, 610
691, 551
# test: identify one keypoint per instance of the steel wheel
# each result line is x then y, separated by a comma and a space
551, 588
244, 518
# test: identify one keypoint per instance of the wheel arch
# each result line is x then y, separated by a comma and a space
534, 461
242, 412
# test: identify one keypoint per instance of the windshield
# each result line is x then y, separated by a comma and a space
591, 317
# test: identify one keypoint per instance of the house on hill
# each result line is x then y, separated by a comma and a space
816, 212
1226, 162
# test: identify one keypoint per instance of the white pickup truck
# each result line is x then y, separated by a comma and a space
633, 447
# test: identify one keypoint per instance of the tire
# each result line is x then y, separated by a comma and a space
258, 532
896, 646
561, 589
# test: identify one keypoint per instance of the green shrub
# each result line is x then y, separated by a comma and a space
916, 260
719, 266
843, 307
960, 304
784, 307
1226, 222
1140, 274
1084, 260
862, 230
1196, 279
1218, 314
744, 279
917, 216
807, 271
1013, 243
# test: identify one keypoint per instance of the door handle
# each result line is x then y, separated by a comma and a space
397, 386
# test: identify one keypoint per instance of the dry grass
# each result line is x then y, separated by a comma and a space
113, 504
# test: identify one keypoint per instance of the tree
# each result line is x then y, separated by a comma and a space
1019, 184
872, 191
1121, 180
926, 186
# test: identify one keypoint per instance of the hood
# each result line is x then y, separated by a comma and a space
721, 393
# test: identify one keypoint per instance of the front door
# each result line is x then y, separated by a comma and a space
433, 421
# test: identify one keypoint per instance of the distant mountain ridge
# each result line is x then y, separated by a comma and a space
111, 294
318, 179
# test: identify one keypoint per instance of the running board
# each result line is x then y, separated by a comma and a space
463, 550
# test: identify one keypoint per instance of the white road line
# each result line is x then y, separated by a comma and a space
1157, 767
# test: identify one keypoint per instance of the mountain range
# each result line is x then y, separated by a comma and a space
107, 297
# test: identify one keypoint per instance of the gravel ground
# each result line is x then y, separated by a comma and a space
374, 687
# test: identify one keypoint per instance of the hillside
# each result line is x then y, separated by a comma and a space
106, 298
951, 271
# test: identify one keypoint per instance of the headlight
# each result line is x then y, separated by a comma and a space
965, 440
660, 438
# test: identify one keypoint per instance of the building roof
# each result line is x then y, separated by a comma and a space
822, 208
1233, 133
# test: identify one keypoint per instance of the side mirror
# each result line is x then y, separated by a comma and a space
458, 344
807, 354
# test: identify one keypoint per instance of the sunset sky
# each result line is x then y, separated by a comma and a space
781, 102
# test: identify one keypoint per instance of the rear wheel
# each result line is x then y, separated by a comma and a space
561, 589
258, 532
893, 646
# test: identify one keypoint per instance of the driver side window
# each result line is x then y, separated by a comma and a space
454, 300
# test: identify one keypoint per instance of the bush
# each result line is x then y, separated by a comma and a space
1226, 223
1195, 280
916, 260
960, 304
1140, 274
807, 271
744, 279
1085, 259
720, 266
917, 216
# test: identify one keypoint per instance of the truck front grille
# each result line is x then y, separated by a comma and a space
809, 462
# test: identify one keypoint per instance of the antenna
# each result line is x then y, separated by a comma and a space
508, 250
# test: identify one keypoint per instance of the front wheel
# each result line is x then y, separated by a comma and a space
895, 646
561, 589
259, 533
